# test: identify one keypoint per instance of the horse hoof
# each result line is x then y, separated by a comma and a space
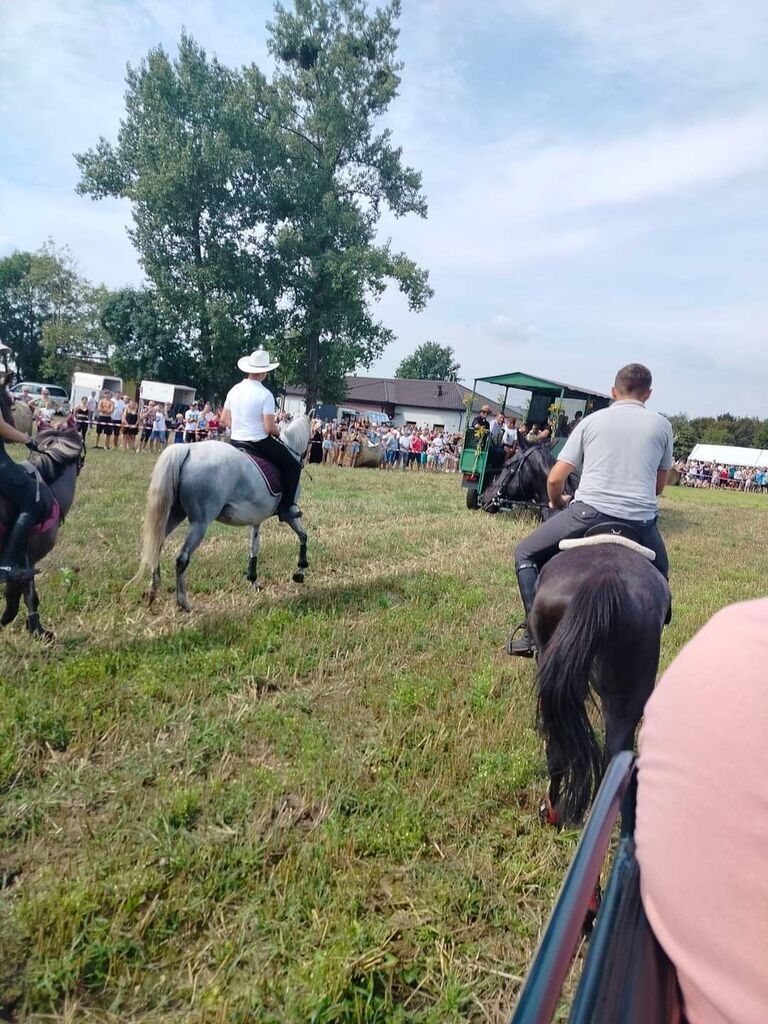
592, 911
298, 577
184, 606
44, 636
256, 584
547, 813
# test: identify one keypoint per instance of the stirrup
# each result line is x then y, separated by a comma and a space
524, 647
17, 573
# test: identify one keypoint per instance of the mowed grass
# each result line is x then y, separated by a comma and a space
309, 804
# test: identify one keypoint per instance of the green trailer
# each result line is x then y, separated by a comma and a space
548, 399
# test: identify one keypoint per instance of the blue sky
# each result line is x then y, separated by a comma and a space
596, 173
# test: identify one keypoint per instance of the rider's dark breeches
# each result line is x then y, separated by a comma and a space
574, 521
18, 486
278, 454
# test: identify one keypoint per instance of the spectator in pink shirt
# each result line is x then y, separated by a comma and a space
702, 817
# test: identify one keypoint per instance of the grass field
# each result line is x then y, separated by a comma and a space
309, 804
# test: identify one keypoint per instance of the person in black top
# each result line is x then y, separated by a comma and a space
481, 420
82, 416
316, 444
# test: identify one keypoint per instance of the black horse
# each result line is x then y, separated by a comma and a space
597, 620
58, 462
523, 480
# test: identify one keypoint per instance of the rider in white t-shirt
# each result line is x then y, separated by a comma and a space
249, 410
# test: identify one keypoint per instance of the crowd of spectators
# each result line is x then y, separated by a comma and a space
120, 422
729, 477
409, 447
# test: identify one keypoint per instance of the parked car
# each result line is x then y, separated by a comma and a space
58, 395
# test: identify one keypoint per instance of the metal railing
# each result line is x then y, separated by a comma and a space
541, 991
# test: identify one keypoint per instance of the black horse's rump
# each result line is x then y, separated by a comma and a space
597, 620
524, 479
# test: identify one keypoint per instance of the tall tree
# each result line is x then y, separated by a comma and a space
193, 160
144, 342
336, 75
430, 361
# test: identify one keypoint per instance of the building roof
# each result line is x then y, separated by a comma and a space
529, 382
425, 394
420, 394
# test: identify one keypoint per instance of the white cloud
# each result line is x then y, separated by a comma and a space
515, 202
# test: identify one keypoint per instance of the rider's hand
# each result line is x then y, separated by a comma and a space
32, 445
563, 501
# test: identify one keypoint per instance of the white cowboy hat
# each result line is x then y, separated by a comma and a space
257, 362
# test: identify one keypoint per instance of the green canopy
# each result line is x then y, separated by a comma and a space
527, 382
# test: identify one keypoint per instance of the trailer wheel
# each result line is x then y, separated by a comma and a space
473, 502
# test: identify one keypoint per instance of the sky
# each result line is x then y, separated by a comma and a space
596, 172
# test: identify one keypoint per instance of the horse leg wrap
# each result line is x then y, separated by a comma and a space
547, 813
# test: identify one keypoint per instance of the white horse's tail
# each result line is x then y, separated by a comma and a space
163, 489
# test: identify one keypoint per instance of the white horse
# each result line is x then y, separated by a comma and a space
207, 481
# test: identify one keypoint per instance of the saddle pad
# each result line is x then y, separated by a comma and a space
609, 538
50, 520
270, 472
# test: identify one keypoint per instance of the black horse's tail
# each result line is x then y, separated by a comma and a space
563, 682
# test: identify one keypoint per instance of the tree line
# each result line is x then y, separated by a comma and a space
255, 200
726, 429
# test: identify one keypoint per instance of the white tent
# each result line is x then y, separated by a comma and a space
730, 455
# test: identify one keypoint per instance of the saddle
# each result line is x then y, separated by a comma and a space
48, 509
610, 533
269, 472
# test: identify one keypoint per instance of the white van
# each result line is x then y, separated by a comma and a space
171, 395
84, 383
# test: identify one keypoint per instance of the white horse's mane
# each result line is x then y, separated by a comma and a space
296, 434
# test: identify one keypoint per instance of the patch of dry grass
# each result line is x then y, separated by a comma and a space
310, 803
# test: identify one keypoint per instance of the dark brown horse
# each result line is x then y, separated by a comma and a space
597, 620
58, 462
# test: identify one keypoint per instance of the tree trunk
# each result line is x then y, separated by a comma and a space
204, 323
313, 367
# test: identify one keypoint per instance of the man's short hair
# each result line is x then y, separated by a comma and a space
633, 379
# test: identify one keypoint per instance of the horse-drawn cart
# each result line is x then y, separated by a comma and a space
550, 402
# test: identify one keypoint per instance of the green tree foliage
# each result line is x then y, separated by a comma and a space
37, 290
75, 341
145, 344
336, 75
193, 160
740, 431
430, 361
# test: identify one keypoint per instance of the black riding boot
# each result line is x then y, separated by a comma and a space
523, 645
13, 560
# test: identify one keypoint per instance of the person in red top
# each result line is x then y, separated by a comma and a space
416, 446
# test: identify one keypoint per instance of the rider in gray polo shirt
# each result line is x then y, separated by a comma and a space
624, 454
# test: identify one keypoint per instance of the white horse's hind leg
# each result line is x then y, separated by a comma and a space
252, 573
188, 548
301, 533
154, 589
